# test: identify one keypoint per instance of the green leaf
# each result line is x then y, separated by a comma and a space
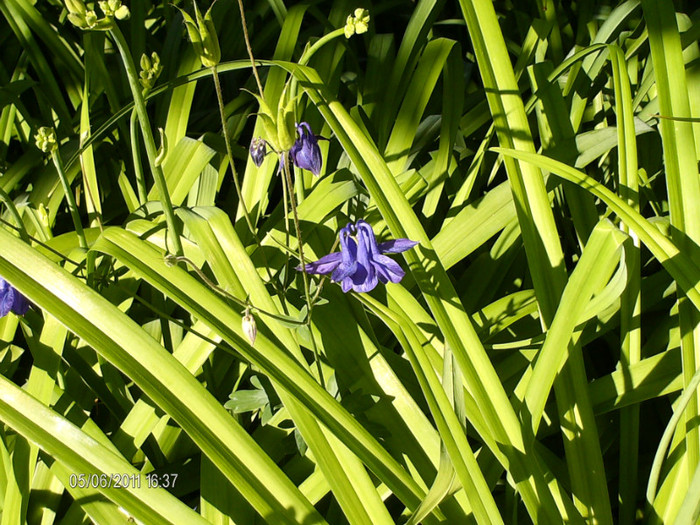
246, 401
123, 343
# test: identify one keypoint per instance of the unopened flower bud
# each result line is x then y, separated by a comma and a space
249, 327
151, 69
91, 19
46, 139
305, 152
82, 17
115, 9
357, 23
258, 150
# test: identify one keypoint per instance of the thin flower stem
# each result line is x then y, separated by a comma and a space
42, 244
147, 133
305, 278
249, 48
4, 197
319, 288
236, 183
319, 44
285, 191
171, 259
70, 199
162, 315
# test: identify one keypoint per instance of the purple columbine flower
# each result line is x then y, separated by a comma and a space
361, 264
258, 150
11, 300
305, 152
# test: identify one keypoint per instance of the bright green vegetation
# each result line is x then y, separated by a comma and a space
537, 364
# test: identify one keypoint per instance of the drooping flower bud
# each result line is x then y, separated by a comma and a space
249, 327
305, 152
258, 150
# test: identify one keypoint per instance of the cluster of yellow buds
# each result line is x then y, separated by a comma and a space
151, 69
46, 139
357, 23
85, 17
114, 9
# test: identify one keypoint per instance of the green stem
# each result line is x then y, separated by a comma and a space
249, 48
311, 51
288, 252
151, 149
236, 183
319, 44
136, 155
307, 296
4, 197
244, 304
70, 199
42, 244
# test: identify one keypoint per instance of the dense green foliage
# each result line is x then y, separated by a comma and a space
537, 363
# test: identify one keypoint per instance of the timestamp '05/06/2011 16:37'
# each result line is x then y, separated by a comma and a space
151, 480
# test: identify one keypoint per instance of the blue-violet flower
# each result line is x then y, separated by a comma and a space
361, 264
258, 150
305, 152
11, 300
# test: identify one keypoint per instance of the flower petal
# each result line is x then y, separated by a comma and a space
388, 269
346, 284
396, 245
365, 276
364, 279
324, 265
305, 152
365, 231
348, 249
21, 304
6, 301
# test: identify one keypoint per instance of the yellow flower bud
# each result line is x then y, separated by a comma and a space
357, 23
46, 139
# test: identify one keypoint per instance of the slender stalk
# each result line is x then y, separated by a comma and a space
319, 44
40, 243
249, 48
151, 149
4, 197
302, 261
285, 191
236, 183
70, 198
243, 304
